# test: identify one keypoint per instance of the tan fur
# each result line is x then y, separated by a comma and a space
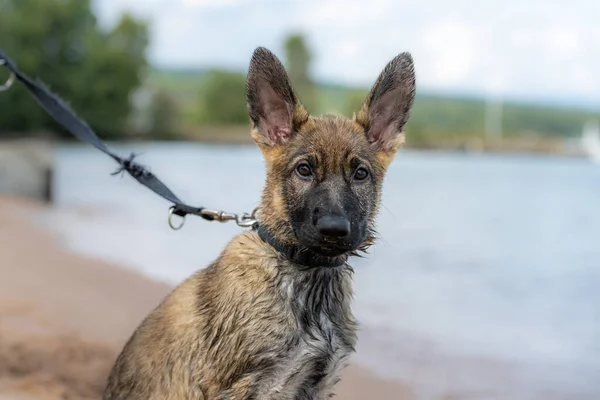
171, 355
253, 324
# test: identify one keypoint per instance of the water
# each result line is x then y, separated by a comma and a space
486, 283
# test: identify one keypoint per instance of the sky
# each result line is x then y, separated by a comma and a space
527, 50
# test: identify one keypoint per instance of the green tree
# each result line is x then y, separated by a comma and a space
60, 42
298, 60
223, 98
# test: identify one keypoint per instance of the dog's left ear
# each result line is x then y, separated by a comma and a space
387, 107
273, 106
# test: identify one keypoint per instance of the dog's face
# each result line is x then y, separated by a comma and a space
324, 174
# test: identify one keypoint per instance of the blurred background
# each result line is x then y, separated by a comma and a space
486, 281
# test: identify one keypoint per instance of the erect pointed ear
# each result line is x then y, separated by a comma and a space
387, 107
274, 108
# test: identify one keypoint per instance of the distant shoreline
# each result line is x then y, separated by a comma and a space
240, 136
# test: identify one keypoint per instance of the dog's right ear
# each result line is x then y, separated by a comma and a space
273, 106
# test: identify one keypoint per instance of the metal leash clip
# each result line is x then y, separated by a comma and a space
243, 220
11, 78
247, 220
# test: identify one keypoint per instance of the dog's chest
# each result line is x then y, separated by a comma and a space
321, 335
316, 360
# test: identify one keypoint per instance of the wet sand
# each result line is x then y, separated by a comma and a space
64, 318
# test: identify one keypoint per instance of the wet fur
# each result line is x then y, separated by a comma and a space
254, 325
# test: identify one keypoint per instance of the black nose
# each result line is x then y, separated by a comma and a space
333, 226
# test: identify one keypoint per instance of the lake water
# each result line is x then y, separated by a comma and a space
485, 284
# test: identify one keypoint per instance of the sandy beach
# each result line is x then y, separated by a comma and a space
64, 317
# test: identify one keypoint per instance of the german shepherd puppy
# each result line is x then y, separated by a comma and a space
271, 317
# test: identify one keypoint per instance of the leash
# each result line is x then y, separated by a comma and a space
58, 109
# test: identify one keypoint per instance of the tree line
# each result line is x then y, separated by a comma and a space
60, 42
106, 77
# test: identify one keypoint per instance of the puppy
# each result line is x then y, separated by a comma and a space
271, 317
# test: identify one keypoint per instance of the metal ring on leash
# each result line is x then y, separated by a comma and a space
9, 81
176, 228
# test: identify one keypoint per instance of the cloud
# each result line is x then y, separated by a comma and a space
453, 45
536, 49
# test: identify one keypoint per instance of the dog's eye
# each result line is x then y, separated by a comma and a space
361, 174
304, 170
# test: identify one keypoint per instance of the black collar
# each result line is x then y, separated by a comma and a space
298, 254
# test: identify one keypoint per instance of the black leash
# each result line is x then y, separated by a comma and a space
67, 118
